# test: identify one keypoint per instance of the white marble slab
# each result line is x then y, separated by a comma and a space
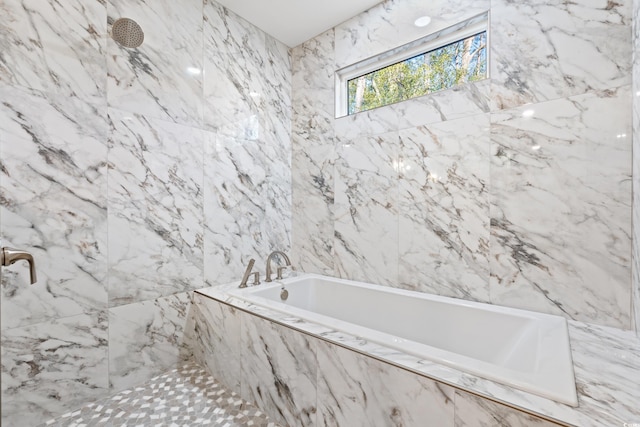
51, 367
635, 93
561, 207
155, 208
55, 46
217, 341
359, 391
366, 209
146, 338
544, 50
606, 396
444, 208
163, 77
53, 204
278, 371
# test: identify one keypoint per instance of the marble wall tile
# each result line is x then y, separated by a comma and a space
444, 208
560, 207
471, 410
146, 338
217, 340
55, 46
52, 367
234, 61
279, 370
391, 24
245, 206
355, 390
155, 208
366, 209
53, 204
543, 50
163, 77
636, 164
313, 184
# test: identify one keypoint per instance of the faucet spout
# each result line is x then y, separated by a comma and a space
9, 256
282, 256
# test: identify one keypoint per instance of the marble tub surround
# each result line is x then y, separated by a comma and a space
551, 163
607, 396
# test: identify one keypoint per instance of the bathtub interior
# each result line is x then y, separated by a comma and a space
526, 350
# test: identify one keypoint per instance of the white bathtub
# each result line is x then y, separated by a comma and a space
525, 350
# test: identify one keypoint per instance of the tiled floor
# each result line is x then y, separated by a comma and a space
186, 396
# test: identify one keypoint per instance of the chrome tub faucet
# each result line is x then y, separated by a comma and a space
280, 269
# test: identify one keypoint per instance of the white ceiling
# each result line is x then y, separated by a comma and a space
295, 21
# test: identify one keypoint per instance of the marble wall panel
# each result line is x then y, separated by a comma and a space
55, 46
544, 50
471, 410
279, 371
560, 207
356, 390
234, 64
52, 367
155, 208
146, 338
636, 164
245, 206
53, 204
444, 208
366, 209
163, 77
217, 340
313, 183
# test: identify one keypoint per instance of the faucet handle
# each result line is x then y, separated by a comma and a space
8, 256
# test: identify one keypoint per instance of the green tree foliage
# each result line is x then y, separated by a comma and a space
457, 63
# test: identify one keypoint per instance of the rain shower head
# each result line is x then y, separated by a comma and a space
127, 33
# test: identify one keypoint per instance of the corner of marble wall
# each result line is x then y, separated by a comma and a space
53, 367
216, 340
279, 371
146, 338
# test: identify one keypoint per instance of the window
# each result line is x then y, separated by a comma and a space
453, 56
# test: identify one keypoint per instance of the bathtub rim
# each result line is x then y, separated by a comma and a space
290, 323
458, 362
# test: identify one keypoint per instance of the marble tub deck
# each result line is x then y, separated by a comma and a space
185, 396
606, 365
